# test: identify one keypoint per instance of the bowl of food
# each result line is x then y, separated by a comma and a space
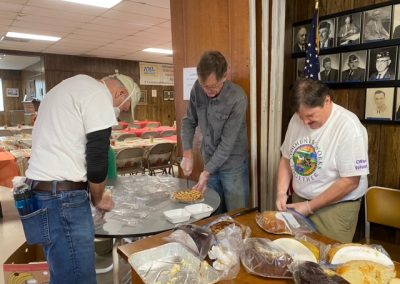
187, 196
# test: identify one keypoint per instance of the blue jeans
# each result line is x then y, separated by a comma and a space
63, 225
232, 186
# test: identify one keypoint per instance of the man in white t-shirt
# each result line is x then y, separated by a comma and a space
68, 164
325, 158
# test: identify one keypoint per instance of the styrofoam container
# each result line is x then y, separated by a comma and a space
177, 215
199, 210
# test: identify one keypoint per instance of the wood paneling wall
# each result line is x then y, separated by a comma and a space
10, 79
201, 25
60, 67
384, 153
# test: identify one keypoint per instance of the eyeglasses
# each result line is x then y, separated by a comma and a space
214, 88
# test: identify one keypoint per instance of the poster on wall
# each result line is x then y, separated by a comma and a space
156, 74
189, 78
13, 92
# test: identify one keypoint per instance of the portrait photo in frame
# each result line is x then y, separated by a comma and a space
143, 97
348, 29
300, 37
13, 92
397, 108
169, 96
382, 64
353, 66
377, 24
327, 33
300, 64
379, 103
329, 68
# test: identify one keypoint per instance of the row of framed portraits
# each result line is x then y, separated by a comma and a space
378, 24
382, 104
378, 64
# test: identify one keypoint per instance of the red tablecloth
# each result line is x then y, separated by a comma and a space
139, 131
8, 169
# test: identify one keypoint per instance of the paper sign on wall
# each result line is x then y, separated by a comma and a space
156, 74
189, 78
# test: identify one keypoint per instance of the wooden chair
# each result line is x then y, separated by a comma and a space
125, 136
382, 206
148, 134
168, 133
158, 157
5, 132
130, 161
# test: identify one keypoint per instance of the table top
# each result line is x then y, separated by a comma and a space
247, 218
140, 201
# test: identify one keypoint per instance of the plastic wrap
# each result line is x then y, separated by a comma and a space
262, 257
306, 272
289, 222
197, 239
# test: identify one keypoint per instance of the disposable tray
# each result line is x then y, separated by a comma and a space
177, 215
172, 263
199, 211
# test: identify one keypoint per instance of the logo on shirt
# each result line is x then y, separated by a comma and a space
306, 160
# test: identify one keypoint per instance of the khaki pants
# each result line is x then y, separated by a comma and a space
337, 221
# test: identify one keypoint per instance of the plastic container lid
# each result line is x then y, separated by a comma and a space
177, 215
199, 210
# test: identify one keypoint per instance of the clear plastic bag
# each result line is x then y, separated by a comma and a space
197, 239
310, 272
289, 222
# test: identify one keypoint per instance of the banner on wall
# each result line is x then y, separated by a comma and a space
156, 74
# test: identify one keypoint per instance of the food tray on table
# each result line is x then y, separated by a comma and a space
172, 263
189, 196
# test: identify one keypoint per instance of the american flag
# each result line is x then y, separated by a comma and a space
311, 66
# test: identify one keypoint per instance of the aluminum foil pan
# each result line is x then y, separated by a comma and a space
172, 263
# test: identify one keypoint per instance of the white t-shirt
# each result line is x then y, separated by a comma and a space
318, 157
75, 107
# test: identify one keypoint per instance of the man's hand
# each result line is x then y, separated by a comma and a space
202, 183
187, 166
280, 202
301, 207
106, 203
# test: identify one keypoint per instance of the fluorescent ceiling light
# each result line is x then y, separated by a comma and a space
32, 36
97, 3
158, 50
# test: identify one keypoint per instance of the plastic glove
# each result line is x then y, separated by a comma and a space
301, 207
202, 183
280, 202
187, 166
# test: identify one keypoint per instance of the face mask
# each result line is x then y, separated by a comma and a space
117, 112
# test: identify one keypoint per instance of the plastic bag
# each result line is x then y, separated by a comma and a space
197, 239
289, 222
262, 257
310, 272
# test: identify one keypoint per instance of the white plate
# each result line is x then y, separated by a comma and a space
199, 211
295, 249
177, 215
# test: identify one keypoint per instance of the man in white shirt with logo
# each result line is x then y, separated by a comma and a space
325, 157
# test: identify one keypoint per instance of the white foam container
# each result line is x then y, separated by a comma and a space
177, 215
199, 210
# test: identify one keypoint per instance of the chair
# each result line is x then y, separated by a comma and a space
130, 161
175, 160
158, 157
153, 124
382, 207
119, 127
125, 136
168, 133
148, 134
5, 132
26, 131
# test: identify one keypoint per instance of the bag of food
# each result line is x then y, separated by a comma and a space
311, 272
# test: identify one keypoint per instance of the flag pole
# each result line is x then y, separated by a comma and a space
317, 27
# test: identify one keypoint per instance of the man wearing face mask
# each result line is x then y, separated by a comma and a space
68, 168
218, 106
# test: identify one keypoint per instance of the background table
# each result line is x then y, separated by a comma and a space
140, 201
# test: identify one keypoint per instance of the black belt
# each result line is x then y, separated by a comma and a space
64, 185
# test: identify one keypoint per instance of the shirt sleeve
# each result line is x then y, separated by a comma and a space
189, 122
229, 135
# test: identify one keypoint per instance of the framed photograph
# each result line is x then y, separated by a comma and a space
348, 29
143, 97
300, 64
353, 66
169, 95
377, 24
329, 68
327, 33
13, 92
396, 21
379, 103
397, 108
382, 64
300, 38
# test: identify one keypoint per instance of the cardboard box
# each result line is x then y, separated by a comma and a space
26, 265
